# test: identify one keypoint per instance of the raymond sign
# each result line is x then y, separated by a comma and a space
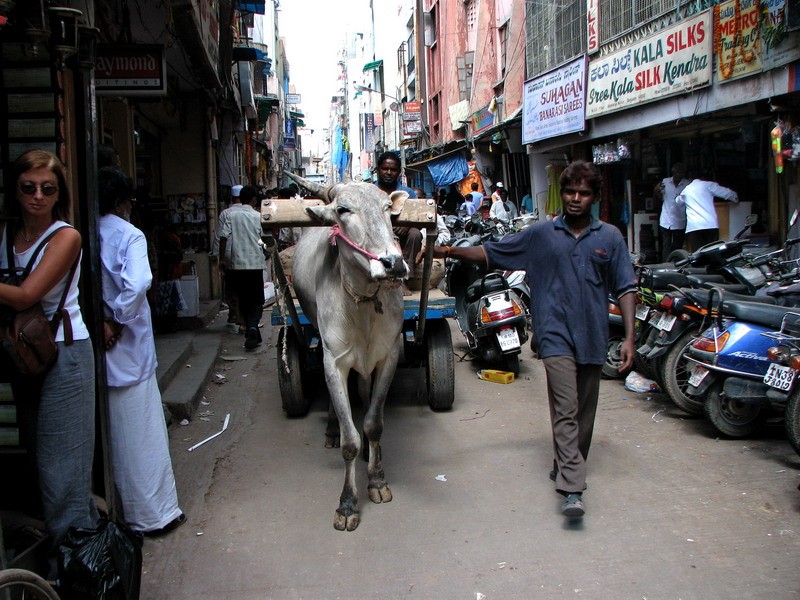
131, 70
739, 49
676, 60
555, 103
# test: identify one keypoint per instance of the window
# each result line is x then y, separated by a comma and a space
556, 32
502, 45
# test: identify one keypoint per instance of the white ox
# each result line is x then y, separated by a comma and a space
347, 279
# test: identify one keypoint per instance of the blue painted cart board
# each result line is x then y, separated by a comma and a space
439, 307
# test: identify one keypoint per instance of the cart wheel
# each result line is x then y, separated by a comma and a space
19, 583
290, 374
439, 366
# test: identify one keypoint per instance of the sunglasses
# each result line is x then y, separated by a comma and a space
29, 189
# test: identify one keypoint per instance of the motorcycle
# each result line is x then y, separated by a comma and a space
732, 367
489, 312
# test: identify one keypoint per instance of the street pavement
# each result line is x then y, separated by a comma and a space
673, 512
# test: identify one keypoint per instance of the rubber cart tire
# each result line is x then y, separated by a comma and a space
439, 365
290, 373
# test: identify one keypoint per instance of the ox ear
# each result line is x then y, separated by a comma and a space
322, 213
398, 199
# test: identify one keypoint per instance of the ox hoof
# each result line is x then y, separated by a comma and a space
332, 441
346, 520
380, 493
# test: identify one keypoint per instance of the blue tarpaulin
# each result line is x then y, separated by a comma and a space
449, 169
258, 7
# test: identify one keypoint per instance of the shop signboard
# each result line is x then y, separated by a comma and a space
737, 46
674, 61
481, 119
292, 98
412, 119
554, 104
777, 48
592, 26
131, 70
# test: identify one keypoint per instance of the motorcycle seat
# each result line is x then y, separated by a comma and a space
760, 314
493, 284
700, 297
734, 288
664, 279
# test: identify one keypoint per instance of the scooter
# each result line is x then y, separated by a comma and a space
731, 369
490, 314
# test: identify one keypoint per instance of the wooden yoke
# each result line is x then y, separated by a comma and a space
419, 213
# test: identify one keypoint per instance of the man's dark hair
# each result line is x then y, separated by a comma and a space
107, 156
385, 156
113, 187
580, 170
248, 195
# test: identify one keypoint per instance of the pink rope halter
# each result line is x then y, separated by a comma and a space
337, 233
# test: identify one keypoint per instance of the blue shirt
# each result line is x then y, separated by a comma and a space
570, 280
401, 188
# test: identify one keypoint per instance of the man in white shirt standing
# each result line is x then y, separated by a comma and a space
672, 222
503, 210
140, 458
234, 322
245, 267
702, 225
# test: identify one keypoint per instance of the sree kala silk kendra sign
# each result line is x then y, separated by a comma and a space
676, 60
553, 104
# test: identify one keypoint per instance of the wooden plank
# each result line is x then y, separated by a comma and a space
292, 213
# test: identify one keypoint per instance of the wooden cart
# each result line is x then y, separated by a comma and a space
426, 335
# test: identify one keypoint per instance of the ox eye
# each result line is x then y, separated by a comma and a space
341, 210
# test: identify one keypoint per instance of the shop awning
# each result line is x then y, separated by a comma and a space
245, 54
419, 160
371, 66
514, 120
258, 7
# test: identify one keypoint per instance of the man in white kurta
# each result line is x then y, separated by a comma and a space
138, 433
702, 225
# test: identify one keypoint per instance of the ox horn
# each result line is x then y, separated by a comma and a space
324, 192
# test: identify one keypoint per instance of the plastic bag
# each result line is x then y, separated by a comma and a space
636, 382
104, 563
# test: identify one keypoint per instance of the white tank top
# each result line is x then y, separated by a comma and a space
53, 297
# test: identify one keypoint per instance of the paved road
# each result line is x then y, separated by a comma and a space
672, 512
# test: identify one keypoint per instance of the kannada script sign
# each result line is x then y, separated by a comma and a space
674, 61
554, 103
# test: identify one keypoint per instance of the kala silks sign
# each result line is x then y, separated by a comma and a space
674, 61
554, 103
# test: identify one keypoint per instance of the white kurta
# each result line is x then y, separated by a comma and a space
138, 433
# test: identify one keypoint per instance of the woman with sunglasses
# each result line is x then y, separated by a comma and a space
55, 410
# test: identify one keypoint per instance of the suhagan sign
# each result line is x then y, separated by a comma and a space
675, 61
554, 103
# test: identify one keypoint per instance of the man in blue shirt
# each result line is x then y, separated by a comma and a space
572, 264
410, 238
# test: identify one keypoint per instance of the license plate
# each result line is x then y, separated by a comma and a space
779, 376
508, 339
666, 322
698, 375
641, 311
655, 318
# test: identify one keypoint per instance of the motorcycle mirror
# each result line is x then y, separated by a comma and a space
751, 219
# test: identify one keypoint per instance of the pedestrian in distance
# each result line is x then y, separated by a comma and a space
702, 224
572, 263
477, 196
140, 459
244, 269
672, 220
504, 210
234, 323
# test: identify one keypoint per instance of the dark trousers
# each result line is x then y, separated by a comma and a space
410, 240
572, 391
699, 238
249, 287
671, 240
229, 294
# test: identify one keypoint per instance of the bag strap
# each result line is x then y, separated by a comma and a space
61, 313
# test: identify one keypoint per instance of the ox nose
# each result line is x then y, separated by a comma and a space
393, 264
